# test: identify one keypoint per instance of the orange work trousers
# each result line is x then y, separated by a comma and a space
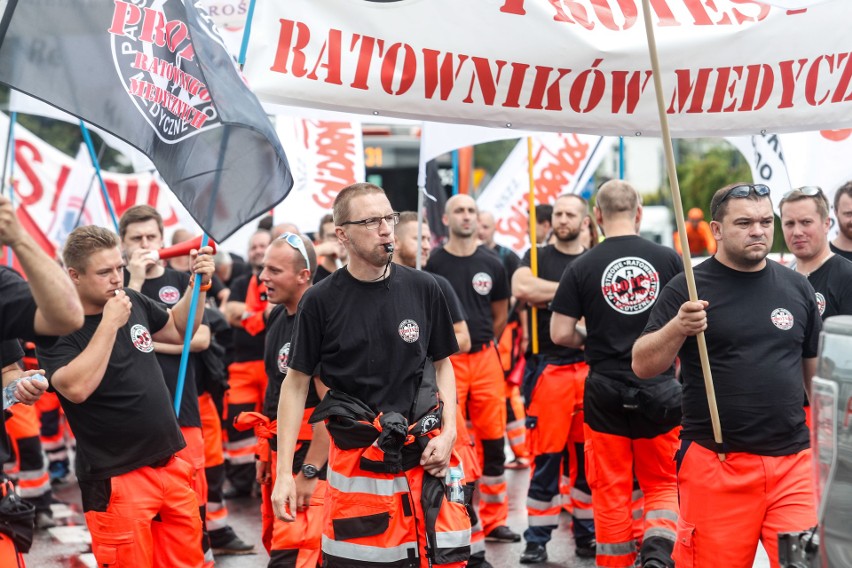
516, 429
248, 386
726, 507
555, 415
481, 395
29, 468
296, 544
151, 518
9, 555
611, 463
214, 464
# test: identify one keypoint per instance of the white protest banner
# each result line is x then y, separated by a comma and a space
562, 164
43, 173
728, 66
766, 160
325, 156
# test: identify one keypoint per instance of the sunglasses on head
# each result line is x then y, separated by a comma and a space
296, 242
808, 190
740, 191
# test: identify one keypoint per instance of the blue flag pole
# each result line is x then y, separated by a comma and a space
10, 157
621, 157
87, 138
455, 156
246, 34
187, 338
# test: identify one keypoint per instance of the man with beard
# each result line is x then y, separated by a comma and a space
480, 281
381, 335
761, 325
246, 377
842, 244
553, 390
630, 425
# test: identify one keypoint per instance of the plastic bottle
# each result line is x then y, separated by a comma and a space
455, 491
9, 397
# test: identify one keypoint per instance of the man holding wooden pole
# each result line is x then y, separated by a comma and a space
761, 324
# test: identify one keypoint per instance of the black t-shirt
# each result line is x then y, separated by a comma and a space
168, 290
372, 339
17, 307
759, 327
833, 285
551, 266
457, 312
279, 329
129, 420
479, 280
246, 347
510, 260
847, 254
321, 274
614, 286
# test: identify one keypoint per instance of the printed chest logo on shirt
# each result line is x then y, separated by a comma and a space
284, 358
820, 303
630, 285
169, 295
782, 318
141, 338
482, 283
409, 331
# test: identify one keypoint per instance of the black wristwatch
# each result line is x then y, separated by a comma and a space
309, 471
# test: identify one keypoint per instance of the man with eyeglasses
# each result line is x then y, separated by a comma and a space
842, 244
805, 222
288, 267
630, 425
761, 324
381, 336
480, 280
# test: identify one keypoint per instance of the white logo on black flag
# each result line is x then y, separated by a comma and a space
154, 73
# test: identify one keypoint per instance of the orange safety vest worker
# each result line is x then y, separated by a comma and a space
378, 500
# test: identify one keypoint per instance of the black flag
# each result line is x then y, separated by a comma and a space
156, 74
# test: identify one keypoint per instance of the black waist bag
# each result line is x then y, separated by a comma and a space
660, 403
17, 517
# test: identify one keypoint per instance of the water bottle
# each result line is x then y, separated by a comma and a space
455, 490
9, 397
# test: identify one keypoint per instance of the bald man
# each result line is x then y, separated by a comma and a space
480, 280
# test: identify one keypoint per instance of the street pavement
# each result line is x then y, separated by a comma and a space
66, 546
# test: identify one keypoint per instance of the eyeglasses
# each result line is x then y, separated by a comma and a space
372, 223
739, 191
296, 242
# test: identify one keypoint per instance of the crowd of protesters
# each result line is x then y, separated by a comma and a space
370, 406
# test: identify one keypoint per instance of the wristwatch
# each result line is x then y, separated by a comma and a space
309, 471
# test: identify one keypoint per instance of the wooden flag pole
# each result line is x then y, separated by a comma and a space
533, 247
681, 228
